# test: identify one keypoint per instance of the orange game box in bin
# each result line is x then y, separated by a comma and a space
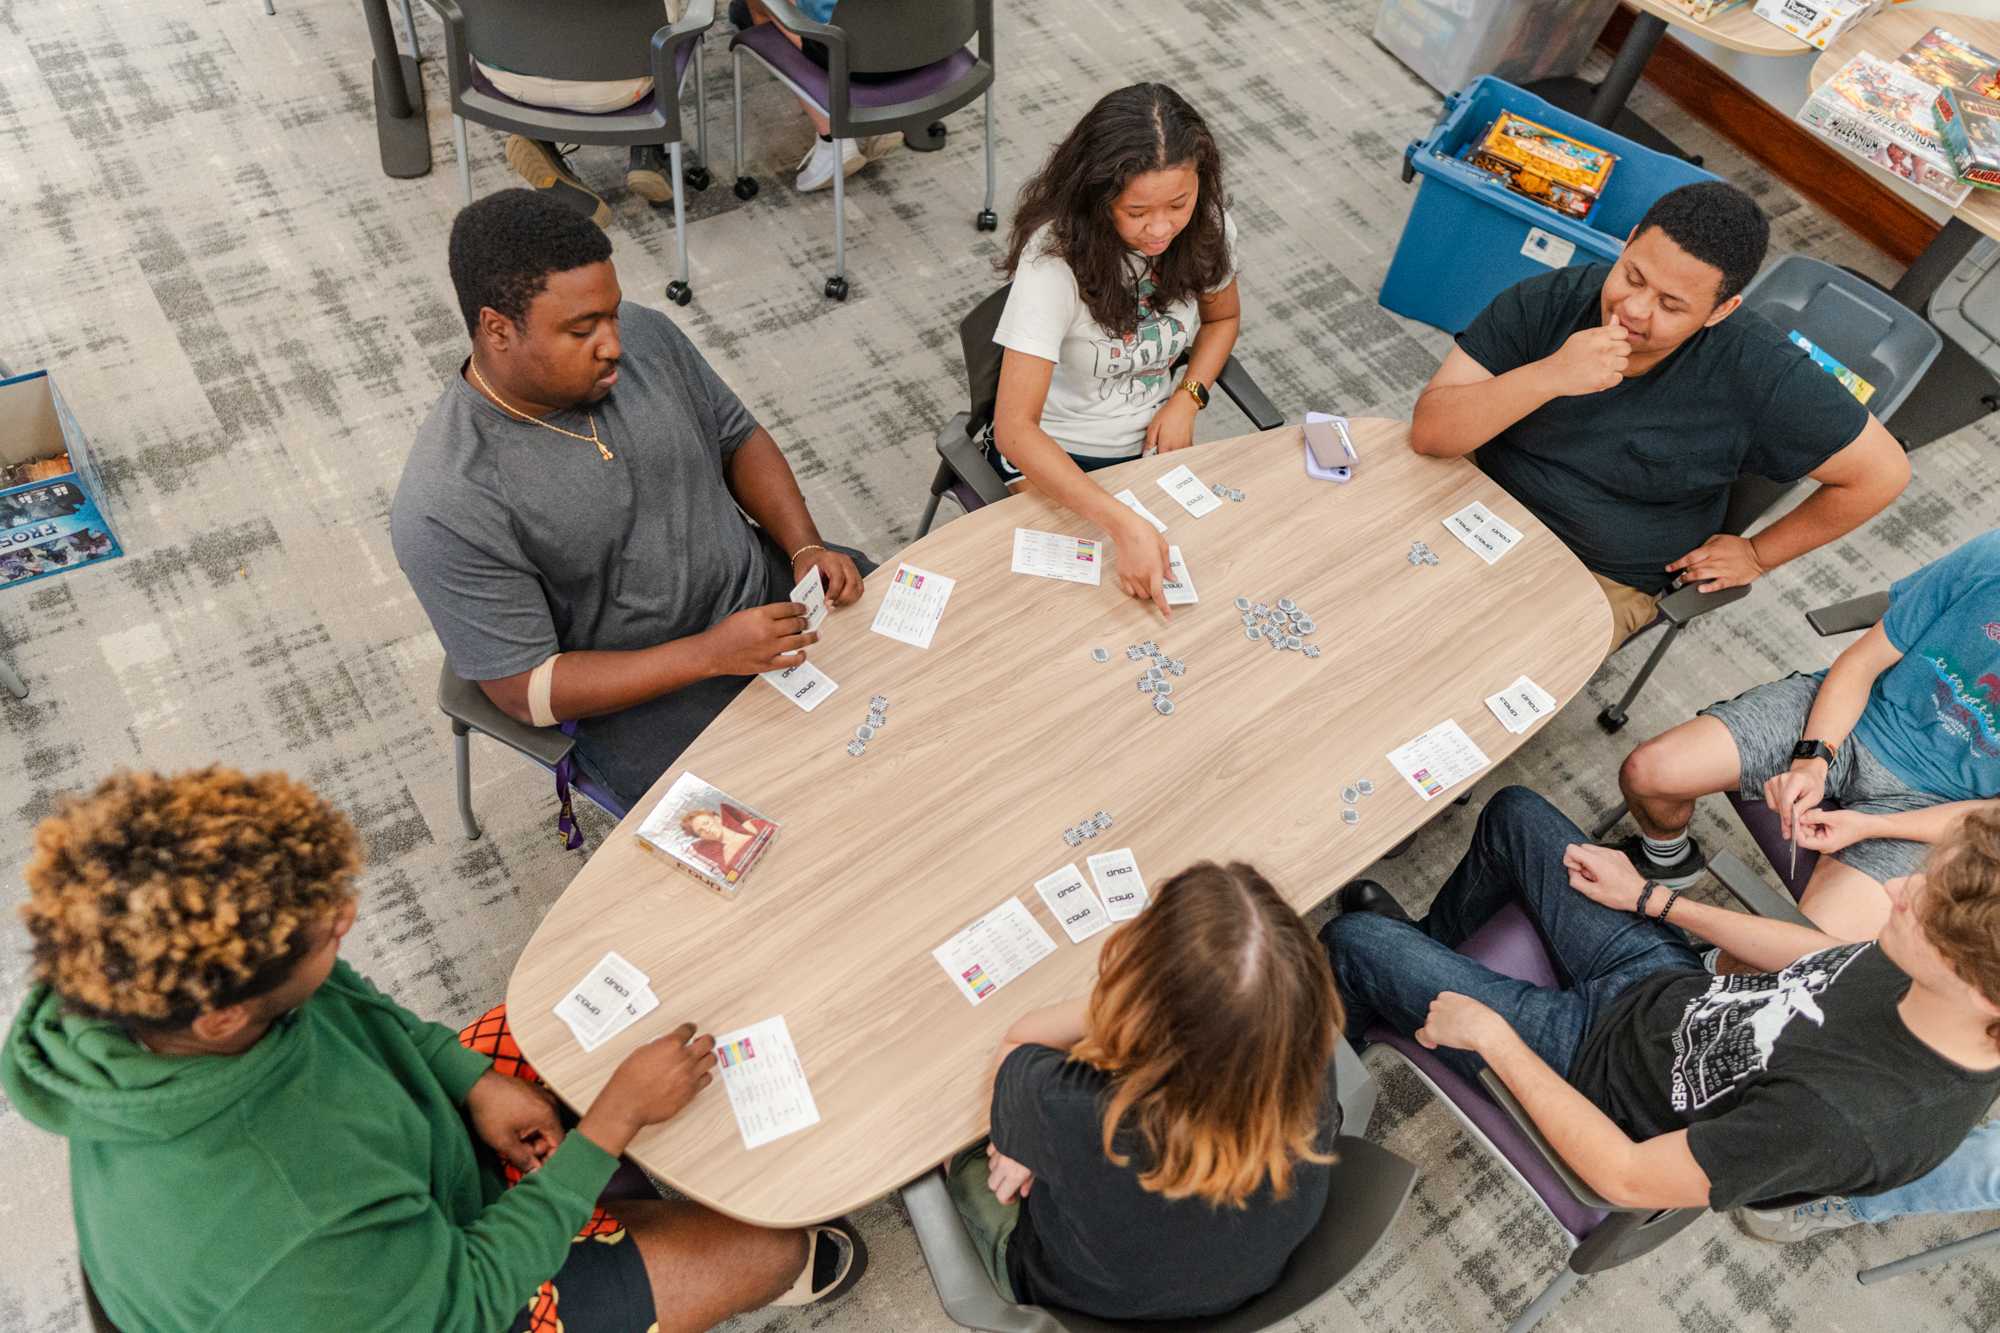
1546, 165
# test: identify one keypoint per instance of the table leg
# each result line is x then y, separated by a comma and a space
401, 130
1626, 67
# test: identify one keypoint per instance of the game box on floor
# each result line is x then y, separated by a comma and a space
53, 515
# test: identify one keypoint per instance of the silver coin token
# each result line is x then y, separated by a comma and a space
1145, 684
1294, 642
1164, 687
1253, 634
1365, 787
1163, 706
1287, 605
856, 748
1243, 604
879, 703
1311, 650
864, 732
1306, 624
1350, 816
1100, 654
1350, 795
1261, 608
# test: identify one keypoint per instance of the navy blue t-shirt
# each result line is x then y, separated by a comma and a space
1635, 477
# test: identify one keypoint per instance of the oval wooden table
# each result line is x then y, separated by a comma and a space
1004, 733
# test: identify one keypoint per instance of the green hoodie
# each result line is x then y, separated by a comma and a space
323, 1179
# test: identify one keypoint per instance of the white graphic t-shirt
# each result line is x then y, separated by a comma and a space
1105, 388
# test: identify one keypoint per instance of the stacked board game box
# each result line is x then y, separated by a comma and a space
1546, 165
707, 833
1883, 112
1945, 60
1817, 23
1969, 125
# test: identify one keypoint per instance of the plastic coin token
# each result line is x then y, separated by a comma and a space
1163, 706
1243, 604
1253, 634
864, 732
1350, 816
1349, 795
1100, 654
856, 748
1365, 787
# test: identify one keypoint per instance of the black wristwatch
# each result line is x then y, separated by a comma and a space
1810, 749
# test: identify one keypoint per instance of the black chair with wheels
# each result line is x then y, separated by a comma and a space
1856, 323
919, 48
963, 471
602, 40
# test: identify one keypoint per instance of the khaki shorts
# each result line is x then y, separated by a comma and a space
1631, 610
587, 96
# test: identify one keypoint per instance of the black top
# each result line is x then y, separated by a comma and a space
1635, 477
1089, 1239
1792, 1085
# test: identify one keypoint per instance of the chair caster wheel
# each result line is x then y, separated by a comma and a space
746, 188
1611, 722
698, 178
987, 220
679, 292
836, 288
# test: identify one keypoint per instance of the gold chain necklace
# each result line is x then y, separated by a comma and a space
518, 413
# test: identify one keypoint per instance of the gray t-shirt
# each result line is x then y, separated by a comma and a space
521, 543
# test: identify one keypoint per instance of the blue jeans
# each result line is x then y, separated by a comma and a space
1968, 1181
1392, 970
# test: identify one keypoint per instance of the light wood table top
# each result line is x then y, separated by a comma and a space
1887, 35
1738, 30
1004, 733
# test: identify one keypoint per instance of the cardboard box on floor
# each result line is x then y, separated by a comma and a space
56, 521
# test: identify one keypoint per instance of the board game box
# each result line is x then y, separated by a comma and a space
1969, 125
1853, 383
1817, 23
1704, 10
1883, 112
709, 834
1944, 60
1546, 165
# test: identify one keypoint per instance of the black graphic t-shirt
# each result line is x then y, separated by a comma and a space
1792, 1085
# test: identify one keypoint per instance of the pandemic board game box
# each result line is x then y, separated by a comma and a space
709, 834
1546, 165
1945, 60
52, 511
1882, 112
1970, 127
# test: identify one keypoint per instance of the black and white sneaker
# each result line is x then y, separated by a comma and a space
1678, 875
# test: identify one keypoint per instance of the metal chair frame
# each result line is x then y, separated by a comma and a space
469, 710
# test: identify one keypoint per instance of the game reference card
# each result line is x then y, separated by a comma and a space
1119, 883
1521, 705
1075, 907
805, 684
1437, 759
1131, 502
1177, 586
1185, 487
913, 606
611, 997
767, 1088
1484, 532
1051, 555
993, 950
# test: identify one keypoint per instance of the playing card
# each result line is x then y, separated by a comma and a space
1119, 883
811, 594
1075, 907
1178, 587
1188, 489
804, 684
1131, 502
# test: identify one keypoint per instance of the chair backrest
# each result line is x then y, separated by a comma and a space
888, 35
982, 358
592, 40
1850, 319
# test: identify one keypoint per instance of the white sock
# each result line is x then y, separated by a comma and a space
1665, 851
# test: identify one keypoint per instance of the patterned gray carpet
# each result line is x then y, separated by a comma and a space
250, 320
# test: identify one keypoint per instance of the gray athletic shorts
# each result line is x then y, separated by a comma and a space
1766, 722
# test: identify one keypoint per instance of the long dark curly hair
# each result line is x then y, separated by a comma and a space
1146, 127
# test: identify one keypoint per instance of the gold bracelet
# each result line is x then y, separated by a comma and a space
809, 546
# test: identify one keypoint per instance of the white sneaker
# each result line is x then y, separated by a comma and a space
816, 167
1788, 1225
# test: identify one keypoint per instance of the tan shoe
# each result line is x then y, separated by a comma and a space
537, 163
650, 175
878, 146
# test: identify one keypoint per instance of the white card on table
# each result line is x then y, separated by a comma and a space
993, 950
1521, 705
914, 604
1484, 532
811, 594
636, 1008
1185, 487
1119, 884
766, 1083
1051, 555
1131, 502
1178, 587
804, 684
1076, 908
1440, 757
598, 1001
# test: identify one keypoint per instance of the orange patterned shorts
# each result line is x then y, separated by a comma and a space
602, 1287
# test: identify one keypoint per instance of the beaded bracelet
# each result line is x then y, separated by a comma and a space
1672, 898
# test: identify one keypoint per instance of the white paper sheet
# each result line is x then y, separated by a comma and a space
760, 1070
1053, 555
1437, 759
993, 950
913, 606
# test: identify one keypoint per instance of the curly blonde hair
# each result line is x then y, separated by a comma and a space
1960, 907
156, 899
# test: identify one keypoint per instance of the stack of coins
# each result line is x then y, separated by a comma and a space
878, 718
1157, 679
1284, 626
1078, 834
1358, 790
1222, 492
1421, 554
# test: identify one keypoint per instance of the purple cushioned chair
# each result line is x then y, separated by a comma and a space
1602, 1234
470, 710
920, 42
587, 40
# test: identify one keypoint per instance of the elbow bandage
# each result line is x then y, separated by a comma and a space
540, 683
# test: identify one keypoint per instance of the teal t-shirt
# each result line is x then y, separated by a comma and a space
1934, 717
819, 11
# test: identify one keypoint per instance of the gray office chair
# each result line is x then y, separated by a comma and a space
1856, 323
1758, 896
1368, 1189
963, 470
469, 710
599, 40
920, 42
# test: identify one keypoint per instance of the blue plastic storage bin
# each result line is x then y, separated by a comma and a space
1469, 237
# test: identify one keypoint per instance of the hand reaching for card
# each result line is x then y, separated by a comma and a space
843, 579
650, 1086
1142, 559
1007, 1178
